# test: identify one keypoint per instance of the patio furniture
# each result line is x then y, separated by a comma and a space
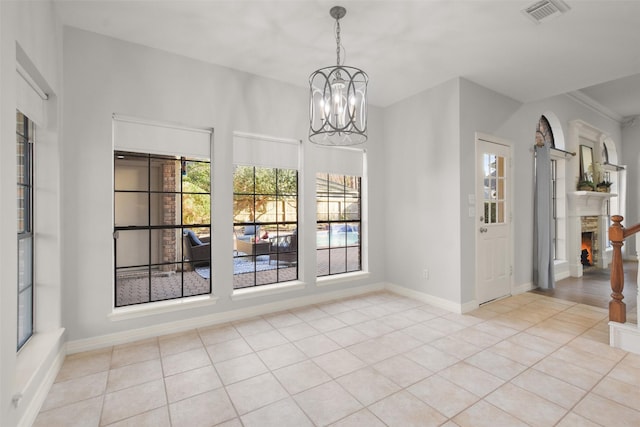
284, 249
261, 247
250, 231
196, 251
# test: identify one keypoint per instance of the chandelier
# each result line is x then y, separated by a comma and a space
338, 101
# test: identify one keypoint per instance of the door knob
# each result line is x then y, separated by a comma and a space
483, 229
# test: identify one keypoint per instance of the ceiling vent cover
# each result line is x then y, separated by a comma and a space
546, 9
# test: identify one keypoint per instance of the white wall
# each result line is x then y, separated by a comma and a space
29, 33
105, 76
481, 110
422, 151
630, 156
430, 152
517, 123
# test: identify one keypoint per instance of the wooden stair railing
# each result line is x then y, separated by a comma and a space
617, 234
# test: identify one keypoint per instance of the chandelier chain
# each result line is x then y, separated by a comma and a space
338, 41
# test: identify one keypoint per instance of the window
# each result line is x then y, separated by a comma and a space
554, 206
162, 230
544, 135
616, 177
265, 222
338, 204
25, 132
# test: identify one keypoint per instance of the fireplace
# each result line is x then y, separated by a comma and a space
586, 227
589, 233
586, 252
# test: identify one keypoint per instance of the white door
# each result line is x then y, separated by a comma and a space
493, 218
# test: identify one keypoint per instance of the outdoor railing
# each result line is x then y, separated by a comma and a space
617, 234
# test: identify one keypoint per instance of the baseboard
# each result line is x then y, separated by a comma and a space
42, 388
469, 306
124, 337
561, 270
625, 336
521, 289
429, 299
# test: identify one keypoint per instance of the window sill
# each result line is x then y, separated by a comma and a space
33, 355
341, 278
259, 291
149, 309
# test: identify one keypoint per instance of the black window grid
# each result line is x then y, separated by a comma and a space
285, 224
154, 266
25, 134
348, 194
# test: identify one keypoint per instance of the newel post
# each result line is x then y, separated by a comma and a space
617, 308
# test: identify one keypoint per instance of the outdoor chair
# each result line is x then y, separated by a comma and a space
284, 249
196, 251
249, 232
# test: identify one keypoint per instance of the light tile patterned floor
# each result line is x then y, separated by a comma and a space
373, 360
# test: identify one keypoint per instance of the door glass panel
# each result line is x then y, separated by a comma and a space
493, 192
494, 188
487, 206
500, 189
500, 167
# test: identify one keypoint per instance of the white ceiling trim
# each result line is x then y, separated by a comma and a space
595, 106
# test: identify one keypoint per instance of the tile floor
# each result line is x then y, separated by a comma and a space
373, 360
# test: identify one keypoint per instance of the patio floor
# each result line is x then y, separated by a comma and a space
167, 285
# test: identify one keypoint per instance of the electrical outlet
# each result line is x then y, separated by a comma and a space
425, 273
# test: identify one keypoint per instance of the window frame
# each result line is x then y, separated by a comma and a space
25, 182
544, 134
283, 230
184, 264
328, 222
554, 206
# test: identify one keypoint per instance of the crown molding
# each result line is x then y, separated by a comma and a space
594, 105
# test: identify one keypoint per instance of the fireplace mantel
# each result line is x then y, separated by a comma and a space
587, 203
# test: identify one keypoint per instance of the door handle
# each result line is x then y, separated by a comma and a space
483, 229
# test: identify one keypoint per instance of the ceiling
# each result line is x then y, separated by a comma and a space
404, 46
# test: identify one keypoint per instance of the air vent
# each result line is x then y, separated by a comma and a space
545, 10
